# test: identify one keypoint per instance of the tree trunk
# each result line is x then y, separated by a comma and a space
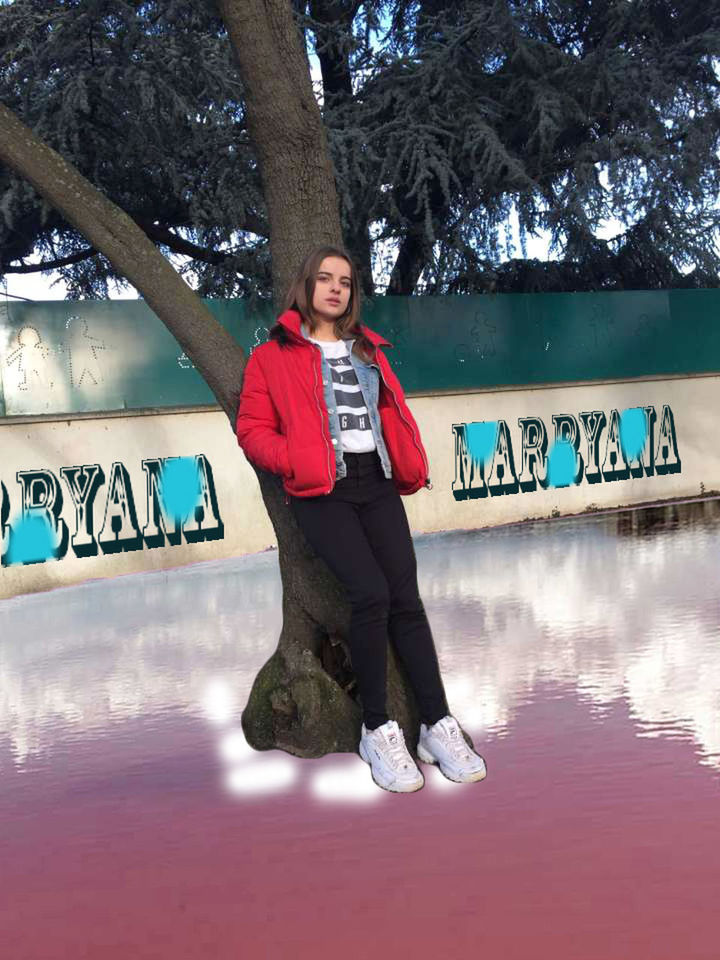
286, 128
304, 699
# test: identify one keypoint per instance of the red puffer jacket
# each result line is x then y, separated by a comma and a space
283, 424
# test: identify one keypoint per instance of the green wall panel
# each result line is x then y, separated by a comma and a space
71, 357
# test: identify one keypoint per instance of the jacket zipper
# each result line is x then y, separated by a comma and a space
322, 426
428, 484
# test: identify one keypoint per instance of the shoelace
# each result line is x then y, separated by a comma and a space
456, 742
395, 741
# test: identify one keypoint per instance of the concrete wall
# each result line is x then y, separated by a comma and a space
682, 459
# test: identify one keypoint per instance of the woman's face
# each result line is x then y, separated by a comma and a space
332, 283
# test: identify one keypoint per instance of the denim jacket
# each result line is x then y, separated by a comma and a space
368, 375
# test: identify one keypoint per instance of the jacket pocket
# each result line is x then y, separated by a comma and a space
309, 466
406, 460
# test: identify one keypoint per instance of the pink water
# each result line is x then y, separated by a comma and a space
134, 824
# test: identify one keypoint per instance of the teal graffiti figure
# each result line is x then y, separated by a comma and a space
180, 487
561, 464
481, 438
31, 538
633, 432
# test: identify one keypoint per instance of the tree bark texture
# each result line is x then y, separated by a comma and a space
286, 127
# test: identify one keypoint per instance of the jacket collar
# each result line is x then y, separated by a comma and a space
292, 321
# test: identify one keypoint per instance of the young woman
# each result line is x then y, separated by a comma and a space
321, 406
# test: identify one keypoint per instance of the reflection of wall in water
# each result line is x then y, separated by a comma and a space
646, 522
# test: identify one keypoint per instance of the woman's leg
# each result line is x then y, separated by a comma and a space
388, 532
332, 528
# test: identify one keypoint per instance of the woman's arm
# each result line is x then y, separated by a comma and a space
258, 423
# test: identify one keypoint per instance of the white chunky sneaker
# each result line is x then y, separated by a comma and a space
444, 744
391, 766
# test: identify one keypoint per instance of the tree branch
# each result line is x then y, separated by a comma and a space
51, 264
155, 232
217, 356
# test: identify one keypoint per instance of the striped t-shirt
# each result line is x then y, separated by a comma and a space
356, 432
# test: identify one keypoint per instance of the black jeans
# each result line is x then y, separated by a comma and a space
361, 531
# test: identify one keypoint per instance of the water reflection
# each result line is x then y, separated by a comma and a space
620, 606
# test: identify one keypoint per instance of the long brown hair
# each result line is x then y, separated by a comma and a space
300, 297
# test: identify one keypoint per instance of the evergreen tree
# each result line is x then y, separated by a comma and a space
145, 99
573, 112
569, 113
